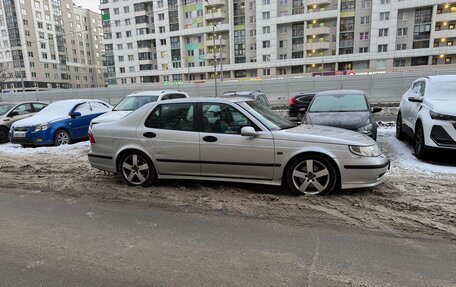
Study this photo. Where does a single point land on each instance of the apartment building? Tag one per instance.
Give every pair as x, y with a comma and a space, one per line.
178, 40
50, 44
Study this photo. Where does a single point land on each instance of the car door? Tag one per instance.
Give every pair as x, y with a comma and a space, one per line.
412, 107
225, 152
21, 112
170, 135
80, 125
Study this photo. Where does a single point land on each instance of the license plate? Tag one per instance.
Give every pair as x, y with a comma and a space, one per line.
19, 134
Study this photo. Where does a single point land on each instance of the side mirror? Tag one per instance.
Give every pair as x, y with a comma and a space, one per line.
75, 114
248, 132
13, 114
376, 109
302, 111
415, 99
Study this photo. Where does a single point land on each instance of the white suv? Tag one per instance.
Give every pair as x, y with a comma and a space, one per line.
427, 114
135, 101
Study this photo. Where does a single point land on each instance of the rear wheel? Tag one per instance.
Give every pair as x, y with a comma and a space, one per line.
137, 169
62, 137
399, 132
311, 174
420, 146
4, 137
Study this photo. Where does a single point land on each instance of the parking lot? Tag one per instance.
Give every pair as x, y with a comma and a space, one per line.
416, 199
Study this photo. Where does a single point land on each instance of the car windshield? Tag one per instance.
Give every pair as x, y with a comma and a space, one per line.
442, 90
134, 103
267, 117
338, 103
58, 108
4, 109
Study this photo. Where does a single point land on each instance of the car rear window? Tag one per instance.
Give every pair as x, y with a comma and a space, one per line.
338, 103
134, 103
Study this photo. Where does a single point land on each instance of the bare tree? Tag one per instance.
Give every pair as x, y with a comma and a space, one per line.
5, 73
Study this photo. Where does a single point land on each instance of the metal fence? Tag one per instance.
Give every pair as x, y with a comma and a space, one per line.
386, 88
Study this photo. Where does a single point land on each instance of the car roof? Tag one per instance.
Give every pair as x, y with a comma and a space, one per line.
206, 100
440, 78
241, 93
22, 102
155, 93
340, 92
76, 101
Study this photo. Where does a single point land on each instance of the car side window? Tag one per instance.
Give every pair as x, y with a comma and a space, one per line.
177, 96
223, 118
166, 97
23, 109
172, 117
84, 109
38, 107
416, 88
422, 89
263, 100
99, 107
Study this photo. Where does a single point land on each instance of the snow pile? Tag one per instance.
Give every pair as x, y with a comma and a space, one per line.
72, 149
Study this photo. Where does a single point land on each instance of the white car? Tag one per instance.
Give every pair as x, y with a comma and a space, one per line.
135, 101
427, 114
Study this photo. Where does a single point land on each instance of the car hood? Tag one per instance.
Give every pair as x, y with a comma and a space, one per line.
345, 120
443, 106
323, 134
110, 117
39, 119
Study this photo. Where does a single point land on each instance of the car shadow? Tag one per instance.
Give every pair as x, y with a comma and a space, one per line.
438, 157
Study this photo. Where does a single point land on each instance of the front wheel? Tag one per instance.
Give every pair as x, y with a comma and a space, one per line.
420, 146
399, 132
137, 169
62, 137
4, 137
311, 174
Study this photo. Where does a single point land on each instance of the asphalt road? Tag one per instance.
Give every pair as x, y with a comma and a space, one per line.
49, 240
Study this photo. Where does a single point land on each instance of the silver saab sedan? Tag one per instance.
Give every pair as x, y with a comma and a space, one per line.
233, 140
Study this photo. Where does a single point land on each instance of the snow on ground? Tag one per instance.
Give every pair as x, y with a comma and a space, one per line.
73, 149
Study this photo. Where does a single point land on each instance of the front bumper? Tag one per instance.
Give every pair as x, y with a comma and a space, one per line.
363, 171
32, 138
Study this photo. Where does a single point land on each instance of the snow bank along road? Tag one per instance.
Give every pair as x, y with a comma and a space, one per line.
416, 199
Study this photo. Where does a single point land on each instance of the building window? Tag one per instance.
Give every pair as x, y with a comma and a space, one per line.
448, 60
266, 44
365, 20
450, 43
402, 32
366, 4
266, 72
384, 16
383, 32
266, 30
399, 63
364, 36
385, 2
266, 58
266, 15
381, 64
282, 44
383, 48
363, 50
401, 47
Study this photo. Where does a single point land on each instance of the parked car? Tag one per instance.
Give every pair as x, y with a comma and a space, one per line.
254, 95
13, 112
427, 114
136, 100
60, 123
241, 141
347, 109
298, 104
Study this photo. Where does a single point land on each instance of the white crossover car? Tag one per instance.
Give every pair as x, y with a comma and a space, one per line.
427, 114
236, 140
135, 101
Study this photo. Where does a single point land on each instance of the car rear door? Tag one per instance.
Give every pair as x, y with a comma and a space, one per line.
225, 152
170, 135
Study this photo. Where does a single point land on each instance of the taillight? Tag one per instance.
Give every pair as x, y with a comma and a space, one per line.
91, 138
292, 101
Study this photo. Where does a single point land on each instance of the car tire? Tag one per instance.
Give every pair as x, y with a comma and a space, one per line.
399, 131
419, 146
4, 135
62, 137
320, 181
136, 169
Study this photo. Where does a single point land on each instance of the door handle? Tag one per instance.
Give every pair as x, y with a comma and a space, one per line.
210, 139
149, 135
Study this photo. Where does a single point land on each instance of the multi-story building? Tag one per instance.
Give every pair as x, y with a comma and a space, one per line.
50, 44
173, 40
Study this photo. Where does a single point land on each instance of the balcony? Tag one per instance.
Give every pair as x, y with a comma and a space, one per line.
318, 2
210, 56
214, 3
214, 16
318, 30
317, 46
445, 17
210, 43
449, 33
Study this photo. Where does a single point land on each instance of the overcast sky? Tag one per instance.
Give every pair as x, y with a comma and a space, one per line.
91, 4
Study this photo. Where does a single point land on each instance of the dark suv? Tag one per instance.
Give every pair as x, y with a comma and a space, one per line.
298, 102
255, 95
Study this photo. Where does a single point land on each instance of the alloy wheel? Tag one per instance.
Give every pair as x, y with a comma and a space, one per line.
311, 176
63, 138
135, 169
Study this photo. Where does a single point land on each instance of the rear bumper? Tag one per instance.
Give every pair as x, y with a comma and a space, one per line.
102, 162
363, 172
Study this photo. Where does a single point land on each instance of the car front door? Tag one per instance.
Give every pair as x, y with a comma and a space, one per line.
225, 152
80, 124
412, 107
170, 135
21, 112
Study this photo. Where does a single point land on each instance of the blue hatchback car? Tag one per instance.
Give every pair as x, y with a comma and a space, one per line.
60, 123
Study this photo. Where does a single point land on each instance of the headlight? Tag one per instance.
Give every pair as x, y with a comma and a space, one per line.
442, 117
367, 129
41, 127
369, 151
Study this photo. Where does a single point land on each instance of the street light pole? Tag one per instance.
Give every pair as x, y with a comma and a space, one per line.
213, 51
221, 59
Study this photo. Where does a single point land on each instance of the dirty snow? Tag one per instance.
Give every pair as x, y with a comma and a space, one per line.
417, 199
